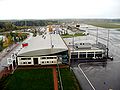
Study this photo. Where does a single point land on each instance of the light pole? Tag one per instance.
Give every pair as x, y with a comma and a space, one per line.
97, 36
51, 41
73, 42
108, 43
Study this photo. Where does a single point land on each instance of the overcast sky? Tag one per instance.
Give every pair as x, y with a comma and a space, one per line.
57, 9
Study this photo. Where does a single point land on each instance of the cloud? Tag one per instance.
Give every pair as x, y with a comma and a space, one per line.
45, 9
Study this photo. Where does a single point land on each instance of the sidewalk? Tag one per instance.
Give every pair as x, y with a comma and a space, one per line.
5, 72
5, 51
55, 78
3, 60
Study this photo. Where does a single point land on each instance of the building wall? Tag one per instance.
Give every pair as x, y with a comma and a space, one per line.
87, 54
43, 60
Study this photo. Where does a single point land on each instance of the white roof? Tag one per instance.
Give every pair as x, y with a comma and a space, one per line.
38, 46
90, 50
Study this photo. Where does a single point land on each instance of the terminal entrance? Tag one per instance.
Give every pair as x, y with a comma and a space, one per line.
35, 61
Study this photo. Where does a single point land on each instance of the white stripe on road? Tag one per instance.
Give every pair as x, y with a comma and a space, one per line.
86, 77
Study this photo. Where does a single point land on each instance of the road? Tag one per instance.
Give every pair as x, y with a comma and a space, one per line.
3, 60
102, 76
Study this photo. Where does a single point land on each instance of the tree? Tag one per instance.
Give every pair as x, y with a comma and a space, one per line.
1, 44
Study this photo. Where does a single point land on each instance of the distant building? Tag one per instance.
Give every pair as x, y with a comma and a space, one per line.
45, 49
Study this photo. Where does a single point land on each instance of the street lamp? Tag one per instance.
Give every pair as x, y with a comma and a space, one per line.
73, 41
97, 36
108, 43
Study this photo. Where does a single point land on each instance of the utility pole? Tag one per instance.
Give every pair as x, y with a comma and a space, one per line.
73, 42
108, 43
51, 41
97, 36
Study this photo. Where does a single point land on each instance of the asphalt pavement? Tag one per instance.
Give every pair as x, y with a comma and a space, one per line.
5, 55
102, 76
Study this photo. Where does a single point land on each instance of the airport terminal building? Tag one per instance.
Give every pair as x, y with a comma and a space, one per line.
45, 49
84, 50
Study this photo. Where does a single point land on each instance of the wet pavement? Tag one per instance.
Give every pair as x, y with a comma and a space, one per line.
102, 76
3, 58
14, 48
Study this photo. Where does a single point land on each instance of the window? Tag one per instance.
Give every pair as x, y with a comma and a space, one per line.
25, 58
98, 54
47, 61
90, 54
29, 58
82, 54
54, 57
80, 43
24, 62
52, 61
42, 61
49, 57
29, 62
43, 57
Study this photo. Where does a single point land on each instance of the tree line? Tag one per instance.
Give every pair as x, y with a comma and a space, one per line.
11, 38
22, 24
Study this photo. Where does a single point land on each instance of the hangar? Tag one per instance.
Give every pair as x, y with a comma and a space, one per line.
45, 49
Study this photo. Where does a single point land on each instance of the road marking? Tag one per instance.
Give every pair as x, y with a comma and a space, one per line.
86, 77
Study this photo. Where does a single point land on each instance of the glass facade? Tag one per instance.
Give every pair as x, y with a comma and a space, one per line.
82, 55
90, 54
98, 54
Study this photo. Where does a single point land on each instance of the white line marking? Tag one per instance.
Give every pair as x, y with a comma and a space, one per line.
86, 77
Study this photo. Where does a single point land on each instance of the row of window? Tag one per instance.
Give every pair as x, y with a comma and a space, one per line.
83, 44
84, 55
75, 53
42, 62
49, 62
25, 62
41, 58
25, 58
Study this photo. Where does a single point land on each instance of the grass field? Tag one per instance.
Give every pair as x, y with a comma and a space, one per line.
30, 79
68, 80
105, 24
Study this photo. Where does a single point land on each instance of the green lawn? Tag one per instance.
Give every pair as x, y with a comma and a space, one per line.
68, 80
30, 79
105, 24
